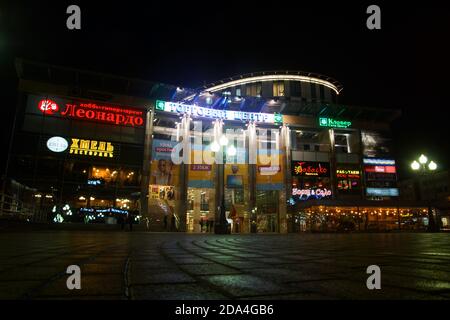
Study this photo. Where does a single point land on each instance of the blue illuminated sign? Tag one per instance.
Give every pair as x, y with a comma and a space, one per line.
382, 192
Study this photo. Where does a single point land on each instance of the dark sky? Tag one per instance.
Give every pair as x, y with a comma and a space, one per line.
404, 65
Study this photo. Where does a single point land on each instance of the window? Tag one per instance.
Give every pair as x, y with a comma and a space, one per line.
313, 91
278, 88
253, 89
318, 141
238, 92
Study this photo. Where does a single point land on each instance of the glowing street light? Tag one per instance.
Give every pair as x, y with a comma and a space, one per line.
215, 147
223, 140
423, 164
423, 159
231, 151
432, 166
424, 167
415, 165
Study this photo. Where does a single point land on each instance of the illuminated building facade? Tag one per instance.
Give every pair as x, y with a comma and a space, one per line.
274, 151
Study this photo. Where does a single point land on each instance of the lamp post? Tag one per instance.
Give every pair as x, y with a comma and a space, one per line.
424, 167
221, 227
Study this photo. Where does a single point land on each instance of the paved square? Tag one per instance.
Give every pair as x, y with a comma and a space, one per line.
142, 265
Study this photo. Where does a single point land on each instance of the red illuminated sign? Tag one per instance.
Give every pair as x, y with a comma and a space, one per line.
381, 169
94, 112
48, 106
307, 168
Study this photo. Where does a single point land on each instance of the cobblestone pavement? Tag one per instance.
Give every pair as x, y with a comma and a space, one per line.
139, 265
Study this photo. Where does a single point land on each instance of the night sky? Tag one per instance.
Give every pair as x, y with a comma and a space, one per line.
404, 65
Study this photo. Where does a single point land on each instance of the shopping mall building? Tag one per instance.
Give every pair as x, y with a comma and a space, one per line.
267, 151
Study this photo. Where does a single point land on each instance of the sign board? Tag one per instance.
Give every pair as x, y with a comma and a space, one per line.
196, 111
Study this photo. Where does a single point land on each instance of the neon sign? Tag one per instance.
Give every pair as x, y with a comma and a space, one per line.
94, 112
333, 123
94, 182
382, 192
57, 144
92, 148
347, 174
305, 194
380, 169
179, 108
48, 106
379, 162
307, 168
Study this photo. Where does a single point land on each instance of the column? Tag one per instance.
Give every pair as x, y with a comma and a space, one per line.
145, 181
284, 143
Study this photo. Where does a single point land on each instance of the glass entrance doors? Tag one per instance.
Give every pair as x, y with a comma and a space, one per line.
200, 212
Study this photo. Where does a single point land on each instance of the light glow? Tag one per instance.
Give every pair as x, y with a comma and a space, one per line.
432, 165
223, 140
215, 147
231, 151
423, 159
415, 165
274, 77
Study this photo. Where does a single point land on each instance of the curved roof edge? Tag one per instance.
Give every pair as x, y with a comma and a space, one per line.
310, 77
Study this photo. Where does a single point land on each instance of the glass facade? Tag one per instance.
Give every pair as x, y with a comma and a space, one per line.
97, 175
264, 171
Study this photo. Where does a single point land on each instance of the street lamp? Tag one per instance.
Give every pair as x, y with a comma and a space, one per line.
222, 226
425, 167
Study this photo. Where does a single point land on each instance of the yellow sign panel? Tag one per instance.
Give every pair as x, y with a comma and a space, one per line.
92, 148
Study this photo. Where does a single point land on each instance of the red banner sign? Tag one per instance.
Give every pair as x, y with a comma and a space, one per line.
381, 169
95, 112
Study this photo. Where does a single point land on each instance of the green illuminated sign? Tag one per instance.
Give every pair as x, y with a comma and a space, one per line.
333, 123
278, 118
160, 105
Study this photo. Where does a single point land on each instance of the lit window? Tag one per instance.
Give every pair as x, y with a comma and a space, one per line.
253, 89
278, 88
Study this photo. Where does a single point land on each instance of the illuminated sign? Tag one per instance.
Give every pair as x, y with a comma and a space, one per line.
380, 169
307, 168
382, 192
333, 123
107, 210
347, 174
95, 112
48, 106
94, 182
379, 162
196, 111
305, 194
57, 144
92, 148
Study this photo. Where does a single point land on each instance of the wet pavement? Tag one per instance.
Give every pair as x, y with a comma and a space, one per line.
142, 265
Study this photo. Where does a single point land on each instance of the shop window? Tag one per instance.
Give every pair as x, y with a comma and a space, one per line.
310, 188
204, 201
